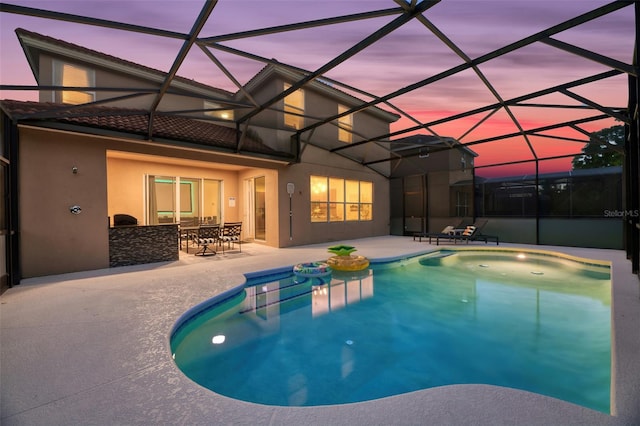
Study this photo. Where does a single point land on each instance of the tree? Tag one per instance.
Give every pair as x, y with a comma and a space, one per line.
605, 148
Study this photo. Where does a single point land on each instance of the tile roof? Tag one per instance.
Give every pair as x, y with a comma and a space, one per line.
135, 122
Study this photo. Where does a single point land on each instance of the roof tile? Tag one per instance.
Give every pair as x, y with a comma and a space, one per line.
132, 121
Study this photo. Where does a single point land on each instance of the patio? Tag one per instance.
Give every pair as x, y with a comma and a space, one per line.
92, 348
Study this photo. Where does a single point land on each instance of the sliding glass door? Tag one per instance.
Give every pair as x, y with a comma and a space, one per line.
199, 200
211, 196
254, 214
260, 208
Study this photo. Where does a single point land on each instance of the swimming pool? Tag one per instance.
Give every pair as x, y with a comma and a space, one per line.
525, 320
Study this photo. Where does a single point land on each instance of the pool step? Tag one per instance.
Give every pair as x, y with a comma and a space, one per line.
435, 257
286, 290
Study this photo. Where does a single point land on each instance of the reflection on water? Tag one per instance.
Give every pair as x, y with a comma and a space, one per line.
536, 323
341, 292
327, 294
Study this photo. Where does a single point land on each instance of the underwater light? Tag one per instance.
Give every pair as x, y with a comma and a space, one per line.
521, 256
219, 339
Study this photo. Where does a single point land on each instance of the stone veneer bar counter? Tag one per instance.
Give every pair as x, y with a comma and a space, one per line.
135, 245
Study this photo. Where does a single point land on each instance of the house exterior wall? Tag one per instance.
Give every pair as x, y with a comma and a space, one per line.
455, 163
444, 173
53, 240
272, 213
438, 194
439, 161
321, 163
270, 124
110, 78
126, 183
126, 189
116, 182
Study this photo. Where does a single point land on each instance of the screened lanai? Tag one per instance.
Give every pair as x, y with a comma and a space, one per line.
528, 86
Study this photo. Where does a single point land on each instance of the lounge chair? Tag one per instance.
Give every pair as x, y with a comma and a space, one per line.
474, 233
448, 232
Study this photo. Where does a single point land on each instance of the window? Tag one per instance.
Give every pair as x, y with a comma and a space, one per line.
199, 199
345, 125
366, 200
319, 196
336, 200
215, 110
462, 204
70, 75
294, 108
339, 200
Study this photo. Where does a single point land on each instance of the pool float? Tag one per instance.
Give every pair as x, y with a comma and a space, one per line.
348, 263
351, 275
312, 269
345, 261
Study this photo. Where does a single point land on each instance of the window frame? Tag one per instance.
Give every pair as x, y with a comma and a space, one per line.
335, 199
58, 77
293, 112
187, 197
345, 125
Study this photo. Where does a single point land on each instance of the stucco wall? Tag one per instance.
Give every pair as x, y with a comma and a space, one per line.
321, 163
126, 184
272, 215
438, 195
126, 188
53, 240
319, 104
110, 78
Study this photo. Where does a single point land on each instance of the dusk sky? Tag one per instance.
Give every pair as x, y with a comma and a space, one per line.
407, 55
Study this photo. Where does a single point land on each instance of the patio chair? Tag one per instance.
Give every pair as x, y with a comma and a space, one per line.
208, 236
188, 231
231, 234
124, 220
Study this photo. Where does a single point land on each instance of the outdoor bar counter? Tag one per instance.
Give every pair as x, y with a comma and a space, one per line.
138, 244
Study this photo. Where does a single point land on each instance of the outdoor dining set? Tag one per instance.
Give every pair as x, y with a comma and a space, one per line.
207, 239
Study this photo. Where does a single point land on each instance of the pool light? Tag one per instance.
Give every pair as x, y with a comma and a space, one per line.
218, 340
521, 256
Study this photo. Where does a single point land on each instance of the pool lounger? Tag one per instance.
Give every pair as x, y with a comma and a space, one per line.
455, 238
430, 235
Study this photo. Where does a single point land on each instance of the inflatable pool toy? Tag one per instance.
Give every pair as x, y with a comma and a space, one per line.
345, 261
312, 269
350, 275
348, 263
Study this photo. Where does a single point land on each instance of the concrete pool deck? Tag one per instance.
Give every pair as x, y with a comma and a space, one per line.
92, 348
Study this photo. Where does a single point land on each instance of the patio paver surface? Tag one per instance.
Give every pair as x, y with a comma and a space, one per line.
93, 348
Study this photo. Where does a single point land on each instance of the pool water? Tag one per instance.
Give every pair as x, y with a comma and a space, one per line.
539, 323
